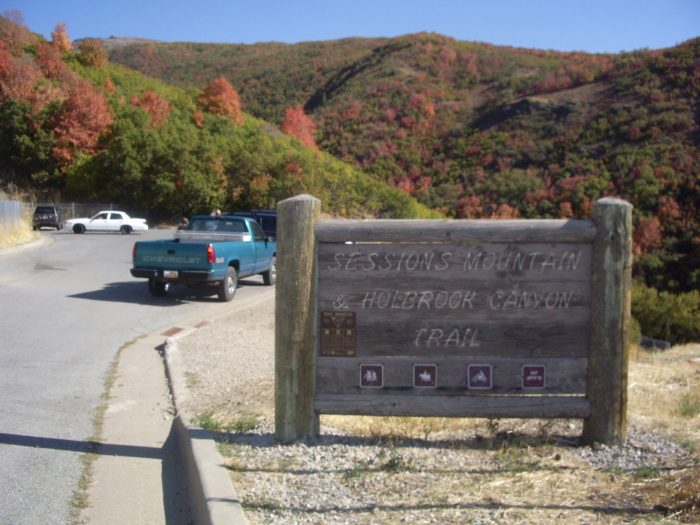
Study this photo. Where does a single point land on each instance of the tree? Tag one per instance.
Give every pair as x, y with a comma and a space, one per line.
52, 65
25, 147
14, 33
17, 80
297, 124
83, 117
5, 57
59, 38
220, 98
647, 236
158, 109
92, 53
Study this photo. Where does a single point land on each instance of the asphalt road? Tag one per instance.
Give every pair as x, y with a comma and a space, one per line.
65, 310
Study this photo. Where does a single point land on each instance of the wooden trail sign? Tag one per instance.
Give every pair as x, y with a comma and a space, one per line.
460, 318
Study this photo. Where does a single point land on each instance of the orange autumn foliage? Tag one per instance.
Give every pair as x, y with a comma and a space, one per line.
59, 38
297, 124
84, 116
220, 98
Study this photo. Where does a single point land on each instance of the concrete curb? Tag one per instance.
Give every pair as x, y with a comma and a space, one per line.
214, 500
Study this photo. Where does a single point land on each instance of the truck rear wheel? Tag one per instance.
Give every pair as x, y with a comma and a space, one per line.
270, 276
158, 288
227, 287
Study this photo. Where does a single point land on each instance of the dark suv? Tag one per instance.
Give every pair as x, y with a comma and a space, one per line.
267, 219
46, 216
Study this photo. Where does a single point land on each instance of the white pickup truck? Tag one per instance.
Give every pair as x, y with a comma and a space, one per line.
108, 221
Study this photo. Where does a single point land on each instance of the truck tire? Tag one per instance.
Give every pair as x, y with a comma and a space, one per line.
158, 288
227, 287
270, 276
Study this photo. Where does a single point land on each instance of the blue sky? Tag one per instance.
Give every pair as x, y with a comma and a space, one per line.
567, 25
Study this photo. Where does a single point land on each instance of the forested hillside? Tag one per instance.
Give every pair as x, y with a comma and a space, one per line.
475, 130
75, 126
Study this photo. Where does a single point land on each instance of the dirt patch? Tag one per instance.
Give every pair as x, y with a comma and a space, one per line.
439, 470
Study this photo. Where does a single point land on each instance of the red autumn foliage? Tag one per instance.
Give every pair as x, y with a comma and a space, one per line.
20, 80
49, 59
297, 124
647, 236
198, 118
84, 116
447, 56
294, 168
5, 57
504, 211
669, 210
17, 80
390, 115
405, 184
59, 38
14, 33
158, 109
469, 208
353, 112
45, 93
220, 98
109, 85
565, 210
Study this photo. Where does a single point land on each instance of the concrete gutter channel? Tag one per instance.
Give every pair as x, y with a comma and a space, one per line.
212, 497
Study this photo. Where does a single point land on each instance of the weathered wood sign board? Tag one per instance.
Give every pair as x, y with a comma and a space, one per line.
452, 322
453, 318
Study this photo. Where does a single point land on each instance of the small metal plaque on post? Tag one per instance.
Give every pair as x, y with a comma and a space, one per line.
338, 334
479, 377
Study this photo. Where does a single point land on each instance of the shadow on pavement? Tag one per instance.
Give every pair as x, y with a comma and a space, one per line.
176, 500
136, 292
72, 445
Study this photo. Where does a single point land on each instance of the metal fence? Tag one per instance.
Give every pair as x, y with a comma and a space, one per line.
71, 210
654, 344
10, 214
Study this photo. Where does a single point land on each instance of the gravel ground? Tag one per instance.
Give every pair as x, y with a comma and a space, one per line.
482, 471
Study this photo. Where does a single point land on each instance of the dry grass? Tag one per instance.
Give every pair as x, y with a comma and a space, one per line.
430, 470
664, 397
19, 235
664, 393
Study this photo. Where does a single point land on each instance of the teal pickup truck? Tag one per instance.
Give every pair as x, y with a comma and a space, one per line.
213, 251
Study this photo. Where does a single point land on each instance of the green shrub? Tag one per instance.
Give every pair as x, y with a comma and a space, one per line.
635, 335
667, 316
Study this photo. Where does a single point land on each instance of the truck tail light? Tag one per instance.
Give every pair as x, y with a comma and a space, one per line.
211, 254
133, 254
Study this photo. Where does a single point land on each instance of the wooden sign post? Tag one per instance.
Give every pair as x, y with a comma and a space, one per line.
455, 318
295, 318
